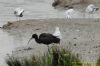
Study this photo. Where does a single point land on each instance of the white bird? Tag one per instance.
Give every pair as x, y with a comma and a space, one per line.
69, 13
57, 33
18, 12
91, 9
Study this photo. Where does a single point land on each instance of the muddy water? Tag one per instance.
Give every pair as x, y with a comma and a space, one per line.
6, 46
36, 9
33, 9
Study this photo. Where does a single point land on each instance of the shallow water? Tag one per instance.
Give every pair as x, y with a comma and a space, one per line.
6, 46
33, 9
36, 9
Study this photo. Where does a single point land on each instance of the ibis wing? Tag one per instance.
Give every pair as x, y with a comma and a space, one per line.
46, 38
45, 35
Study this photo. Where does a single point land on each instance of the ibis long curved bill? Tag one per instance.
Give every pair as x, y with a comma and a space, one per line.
29, 40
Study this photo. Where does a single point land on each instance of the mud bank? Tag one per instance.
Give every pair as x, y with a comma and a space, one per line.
74, 2
79, 36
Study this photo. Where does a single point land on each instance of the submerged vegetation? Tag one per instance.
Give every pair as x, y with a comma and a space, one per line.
53, 58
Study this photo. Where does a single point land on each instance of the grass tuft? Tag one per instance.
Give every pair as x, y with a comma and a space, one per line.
54, 57
98, 62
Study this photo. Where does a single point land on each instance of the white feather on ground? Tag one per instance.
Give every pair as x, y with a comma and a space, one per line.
57, 33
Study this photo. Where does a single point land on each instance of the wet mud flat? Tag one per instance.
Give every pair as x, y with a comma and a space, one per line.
79, 35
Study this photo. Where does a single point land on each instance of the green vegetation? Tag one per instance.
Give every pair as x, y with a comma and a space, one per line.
98, 62
53, 58
68, 59
12, 61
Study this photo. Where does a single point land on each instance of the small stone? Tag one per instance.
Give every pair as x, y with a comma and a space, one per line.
37, 29
74, 38
74, 44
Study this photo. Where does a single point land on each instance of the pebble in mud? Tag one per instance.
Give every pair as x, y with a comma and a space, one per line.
37, 29
74, 38
75, 44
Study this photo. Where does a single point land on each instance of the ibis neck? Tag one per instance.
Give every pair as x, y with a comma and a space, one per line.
37, 39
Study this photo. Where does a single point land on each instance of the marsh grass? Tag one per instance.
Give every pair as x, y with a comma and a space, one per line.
12, 61
46, 60
53, 58
98, 62
66, 58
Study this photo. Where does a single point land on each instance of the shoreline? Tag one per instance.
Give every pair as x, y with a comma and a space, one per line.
86, 33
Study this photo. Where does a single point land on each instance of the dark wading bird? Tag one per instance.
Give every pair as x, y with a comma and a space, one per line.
47, 38
18, 12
